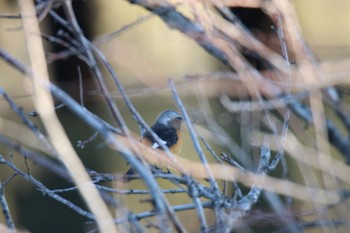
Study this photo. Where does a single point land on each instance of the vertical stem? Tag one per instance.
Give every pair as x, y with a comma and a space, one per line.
44, 104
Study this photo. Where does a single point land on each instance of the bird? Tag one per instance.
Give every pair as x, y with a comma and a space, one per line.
168, 128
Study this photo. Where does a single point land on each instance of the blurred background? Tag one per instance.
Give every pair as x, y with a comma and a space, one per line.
144, 56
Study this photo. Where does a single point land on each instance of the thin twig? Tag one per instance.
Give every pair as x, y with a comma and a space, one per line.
193, 136
5, 208
46, 191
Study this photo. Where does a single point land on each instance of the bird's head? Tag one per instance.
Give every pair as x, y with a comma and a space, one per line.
170, 118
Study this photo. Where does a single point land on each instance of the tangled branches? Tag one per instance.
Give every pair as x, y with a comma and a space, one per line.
277, 89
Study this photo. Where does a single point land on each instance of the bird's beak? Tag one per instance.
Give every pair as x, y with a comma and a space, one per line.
176, 123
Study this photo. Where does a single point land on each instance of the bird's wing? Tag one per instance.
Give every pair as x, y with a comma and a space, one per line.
156, 144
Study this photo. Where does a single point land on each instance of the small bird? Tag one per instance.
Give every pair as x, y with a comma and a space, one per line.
168, 128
